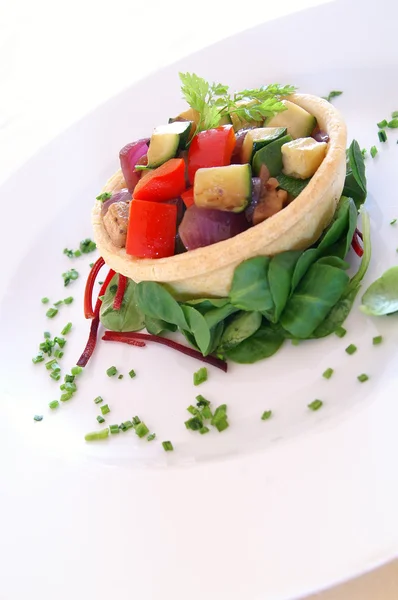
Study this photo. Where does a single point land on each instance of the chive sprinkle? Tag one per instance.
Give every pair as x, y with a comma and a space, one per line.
76, 370
219, 419
328, 373
111, 372
120, 376
167, 446
58, 303
37, 359
151, 437
194, 424
55, 375
100, 419
68, 300
382, 135
363, 377
132, 373
394, 114
104, 196
373, 151
266, 415
66, 396
60, 341
98, 400
126, 425
200, 376
105, 409
340, 332
77, 253
393, 124
69, 276
51, 313
38, 418
114, 429
45, 300
393, 222
87, 246
69, 378
50, 363
66, 329
53, 404
58, 353
377, 340
141, 430
136, 421
47, 334
68, 252
91, 265
204, 430
351, 349
97, 435
315, 404
382, 124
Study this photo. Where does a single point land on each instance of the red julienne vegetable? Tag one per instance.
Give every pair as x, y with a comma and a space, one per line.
151, 229
356, 246
121, 288
164, 183
187, 197
211, 148
88, 292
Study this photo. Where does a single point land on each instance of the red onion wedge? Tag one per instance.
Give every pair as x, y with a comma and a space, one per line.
204, 226
120, 196
129, 156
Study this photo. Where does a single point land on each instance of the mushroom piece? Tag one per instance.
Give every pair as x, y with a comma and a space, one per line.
116, 221
271, 202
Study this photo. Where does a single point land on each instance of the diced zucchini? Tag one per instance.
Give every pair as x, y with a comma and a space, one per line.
291, 185
258, 138
166, 140
224, 188
298, 122
187, 115
239, 123
302, 157
270, 156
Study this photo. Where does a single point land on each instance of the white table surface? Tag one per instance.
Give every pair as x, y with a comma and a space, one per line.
58, 61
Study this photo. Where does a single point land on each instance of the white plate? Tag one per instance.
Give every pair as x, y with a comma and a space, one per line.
270, 509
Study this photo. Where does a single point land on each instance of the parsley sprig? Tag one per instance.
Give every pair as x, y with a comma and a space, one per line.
214, 101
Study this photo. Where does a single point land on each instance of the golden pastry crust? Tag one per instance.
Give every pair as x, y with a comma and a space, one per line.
208, 271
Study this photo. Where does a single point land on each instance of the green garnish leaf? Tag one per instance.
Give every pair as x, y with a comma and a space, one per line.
167, 446
114, 429
315, 404
132, 373
105, 409
377, 340
37, 359
104, 196
51, 313
382, 135
328, 373
151, 437
68, 253
363, 377
66, 329
76, 370
266, 415
393, 222
373, 151
200, 376
111, 372
69, 276
53, 404
382, 124
136, 421
45, 300
195, 423
393, 124
68, 300
100, 419
97, 435
351, 349
394, 114
87, 246
332, 94
381, 297
141, 429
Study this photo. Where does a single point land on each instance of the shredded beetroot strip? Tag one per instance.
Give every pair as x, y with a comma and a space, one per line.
92, 338
121, 288
359, 233
88, 292
130, 337
356, 246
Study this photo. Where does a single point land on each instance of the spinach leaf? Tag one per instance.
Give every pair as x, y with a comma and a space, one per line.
381, 297
319, 290
262, 344
129, 317
156, 302
334, 261
250, 290
205, 304
241, 327
216, 335
158, 326
216, 315
198, 328
292, 185
355, 181
337, 227
280, 274
303, 264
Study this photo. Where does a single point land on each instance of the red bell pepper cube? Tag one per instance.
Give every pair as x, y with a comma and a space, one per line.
187, 197
211, 148
164, 183
151, 229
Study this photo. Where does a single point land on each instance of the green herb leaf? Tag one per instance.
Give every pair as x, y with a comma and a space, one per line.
167, 446
355, 182
266, 415
156, 302
363, 377
373, 151
262, 344
129, 317
315, 405
292, 185
200, 376
104, 196
242, 326
381, 297
250, 288
331, 95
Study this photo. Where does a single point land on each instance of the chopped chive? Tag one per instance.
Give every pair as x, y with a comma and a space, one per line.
37, 359
221, 425
315, 405
100, 419
167, 446
62, 386
105, 409
363, 152
60, 341
351, 349
98, 400
127, 425
123, 427
58, 303
91, 265
382, 124
100, 283
69, 253
66, 396
76, 370
38, 418
69, 378
393, 222
66, 329
141, 430
332, 94
266, 415
362, 378
120, 376
53, 404
206, 412
373, 151
394, 114
132, 373
219, 419
55, 375
201, 401
377, 340
77, 253
68, 300
382, 135
194, 411
195, 423
151, 437
111, 371
50, 363
340, 332
70, 387
114, 429
204, 430
87, 246
104, 196
45, 300
136, 421
393, 124
97, 435
51, 313
200, 376
69, 276
328, 373
58, 353
47, 334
